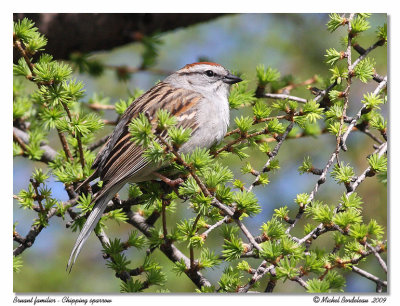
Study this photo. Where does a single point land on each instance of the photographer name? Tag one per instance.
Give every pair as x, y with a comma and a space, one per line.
343, 299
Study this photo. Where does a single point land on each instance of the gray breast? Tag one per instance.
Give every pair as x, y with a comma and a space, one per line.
213, 119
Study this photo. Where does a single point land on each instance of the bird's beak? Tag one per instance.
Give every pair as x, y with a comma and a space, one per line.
231, 79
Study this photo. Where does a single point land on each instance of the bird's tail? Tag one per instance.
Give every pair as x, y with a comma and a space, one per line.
91, 222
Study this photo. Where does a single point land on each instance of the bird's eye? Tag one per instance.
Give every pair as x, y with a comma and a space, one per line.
209, 73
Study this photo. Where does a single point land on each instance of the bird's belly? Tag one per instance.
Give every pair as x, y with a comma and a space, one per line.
205, 136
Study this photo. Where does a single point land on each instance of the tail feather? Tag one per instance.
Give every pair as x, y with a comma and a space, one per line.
90, 224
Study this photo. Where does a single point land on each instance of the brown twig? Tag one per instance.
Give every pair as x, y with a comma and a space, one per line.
97, 106
65, 146
77, 136
21, 50
110, 122
193, 265
81, 154
24, 54
98, 143
164, 219
290, 87
20, 143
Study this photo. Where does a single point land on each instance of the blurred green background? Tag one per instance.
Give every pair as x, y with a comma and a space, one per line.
294, 44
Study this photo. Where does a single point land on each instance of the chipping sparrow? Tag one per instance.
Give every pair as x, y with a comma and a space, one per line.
197, 95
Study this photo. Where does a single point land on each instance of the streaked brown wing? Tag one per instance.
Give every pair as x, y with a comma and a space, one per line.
120, 158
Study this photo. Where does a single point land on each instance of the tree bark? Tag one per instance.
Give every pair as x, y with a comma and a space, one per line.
74, 32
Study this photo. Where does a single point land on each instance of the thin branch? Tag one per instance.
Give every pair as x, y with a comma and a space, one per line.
192, 265
256, 121
247, 233
368, 275
21, 50
18, 238
214, 226
164, 219
20, 142
64, 144
81, 154
347, 90
105, 241
173, 253
24, 54
77, 136
192, 172
260, 272
110, 122
377, 90
352, 187
97, 106
98, 143
282, 97
243, 137
372, 136
272, 155
290, 87
380, 151
363, 52
322, 177
204, 189
30, 238
35, 230
323, 93
271, 285
48, 152
103, 238
300, 281
378, 257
